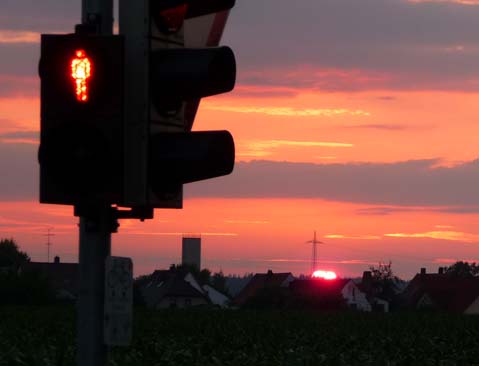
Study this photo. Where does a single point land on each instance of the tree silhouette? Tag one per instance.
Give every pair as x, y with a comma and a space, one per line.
10, 254
463, 269
384, 282
218, 281
21, 287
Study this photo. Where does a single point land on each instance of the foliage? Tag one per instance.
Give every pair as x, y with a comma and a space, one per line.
42, 336
46, 337
384, 282
25, 289
19, 287
383, 272
204, 276
463, 269
138, 283
218, 281
269, 298
282, 298
331, 302
10, 254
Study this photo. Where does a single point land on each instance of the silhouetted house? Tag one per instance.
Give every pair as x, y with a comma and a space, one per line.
216, 297
7, 269
330, 294
235, 284
173, 289
261, 282
442, 292
367, 287
62, 277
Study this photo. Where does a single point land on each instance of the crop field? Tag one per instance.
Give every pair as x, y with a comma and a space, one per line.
46, 336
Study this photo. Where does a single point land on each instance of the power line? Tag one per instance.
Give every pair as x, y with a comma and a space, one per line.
314, 254
48, 244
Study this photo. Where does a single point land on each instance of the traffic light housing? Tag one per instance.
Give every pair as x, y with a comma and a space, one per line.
162, 78
81, 138
117, 111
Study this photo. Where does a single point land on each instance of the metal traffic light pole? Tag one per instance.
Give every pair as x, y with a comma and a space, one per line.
99, 13
154, 54
95, 236
95, 246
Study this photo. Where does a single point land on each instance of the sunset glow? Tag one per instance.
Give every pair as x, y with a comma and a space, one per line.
326, 275
368, 138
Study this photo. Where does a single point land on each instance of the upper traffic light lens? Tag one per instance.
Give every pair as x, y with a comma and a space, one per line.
81, 71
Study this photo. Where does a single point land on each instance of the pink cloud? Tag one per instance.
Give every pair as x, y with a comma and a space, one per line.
439, 235
10, 36
454, 260
15, 86
316, 78
462, 2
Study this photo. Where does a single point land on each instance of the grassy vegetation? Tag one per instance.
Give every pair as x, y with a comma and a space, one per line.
45, 336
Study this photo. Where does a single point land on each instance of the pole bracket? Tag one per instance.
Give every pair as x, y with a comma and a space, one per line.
96, 213
142, 213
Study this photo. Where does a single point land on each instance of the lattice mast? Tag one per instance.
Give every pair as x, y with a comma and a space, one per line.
49, 243
314, 254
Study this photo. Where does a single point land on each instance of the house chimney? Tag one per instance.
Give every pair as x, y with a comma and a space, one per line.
441, 270
367, 278
56, 260
270, 272
423, 271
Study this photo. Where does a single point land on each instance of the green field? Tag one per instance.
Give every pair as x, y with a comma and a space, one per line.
46, 336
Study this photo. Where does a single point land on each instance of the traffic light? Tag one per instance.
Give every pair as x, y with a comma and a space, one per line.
81, 139
116, 111
162, 78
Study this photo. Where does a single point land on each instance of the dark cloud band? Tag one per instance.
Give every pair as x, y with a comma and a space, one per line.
410, 183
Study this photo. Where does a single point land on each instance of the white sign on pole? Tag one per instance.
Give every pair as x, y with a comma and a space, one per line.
118, 317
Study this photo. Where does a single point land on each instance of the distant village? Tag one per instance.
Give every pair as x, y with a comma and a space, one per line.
186, 285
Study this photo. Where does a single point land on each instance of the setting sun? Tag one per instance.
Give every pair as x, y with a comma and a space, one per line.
327, 275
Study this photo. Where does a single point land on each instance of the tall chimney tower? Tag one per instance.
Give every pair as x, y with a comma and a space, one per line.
191, 250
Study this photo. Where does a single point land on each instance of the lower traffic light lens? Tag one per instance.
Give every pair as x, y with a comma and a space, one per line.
179, 158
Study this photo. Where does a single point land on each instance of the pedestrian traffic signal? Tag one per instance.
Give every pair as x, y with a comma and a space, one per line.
81, 68
116, 110
161, 77
81, 138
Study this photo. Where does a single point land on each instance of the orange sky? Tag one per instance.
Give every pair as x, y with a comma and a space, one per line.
243, 235
248, 235
297, 110
379, 126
